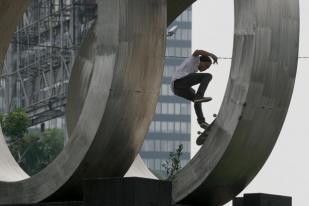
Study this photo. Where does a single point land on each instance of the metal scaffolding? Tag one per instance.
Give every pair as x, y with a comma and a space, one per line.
39, 60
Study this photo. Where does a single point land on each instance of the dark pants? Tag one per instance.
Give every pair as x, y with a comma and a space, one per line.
183, 88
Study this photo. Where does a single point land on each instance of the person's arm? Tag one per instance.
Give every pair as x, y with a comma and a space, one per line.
205, 53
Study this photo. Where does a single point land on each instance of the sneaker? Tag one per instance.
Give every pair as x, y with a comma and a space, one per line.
204, 125
202, 99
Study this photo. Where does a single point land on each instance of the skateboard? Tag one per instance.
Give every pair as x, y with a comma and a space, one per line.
203, 135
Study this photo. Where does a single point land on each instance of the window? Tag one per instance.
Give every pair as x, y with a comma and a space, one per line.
184, 109
158, 108
178, 51
157, 164
184, 34
164, 126
157, 146
177, 127
164, 90
151, 128
170, 108
164, 108
177, 108
151, 163
178, 34
164, 146
185, 16
170, 127
183, 127
170, 146
157, 126
150, 145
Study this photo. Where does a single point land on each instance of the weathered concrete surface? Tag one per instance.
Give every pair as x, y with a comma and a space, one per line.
125, 54
10, 13
115, 84
256, 101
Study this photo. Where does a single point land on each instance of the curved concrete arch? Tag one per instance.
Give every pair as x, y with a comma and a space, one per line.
256, 101
258, 94
120, 63
257, 98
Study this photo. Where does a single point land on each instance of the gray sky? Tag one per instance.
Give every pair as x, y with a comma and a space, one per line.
287, 170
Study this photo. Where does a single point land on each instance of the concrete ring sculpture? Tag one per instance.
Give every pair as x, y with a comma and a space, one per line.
115, 84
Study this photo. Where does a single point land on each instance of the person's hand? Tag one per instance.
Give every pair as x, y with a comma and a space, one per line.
215, 58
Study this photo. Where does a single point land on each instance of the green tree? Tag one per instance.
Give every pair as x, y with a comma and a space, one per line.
32, 150
173, 165
40, 149
15, 124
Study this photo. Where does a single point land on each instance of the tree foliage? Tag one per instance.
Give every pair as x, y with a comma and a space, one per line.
39, 149
15, 124
32, 150
173, 164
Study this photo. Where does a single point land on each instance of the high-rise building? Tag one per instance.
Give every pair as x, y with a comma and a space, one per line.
171, 125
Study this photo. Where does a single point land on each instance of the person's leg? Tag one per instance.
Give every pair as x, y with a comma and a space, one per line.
182, 88
204, 79
193, 79
184, 92
199, 112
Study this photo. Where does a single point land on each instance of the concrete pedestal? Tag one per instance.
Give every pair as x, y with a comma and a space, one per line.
260, 199
127, 192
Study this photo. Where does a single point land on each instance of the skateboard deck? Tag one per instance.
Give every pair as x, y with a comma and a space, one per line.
203, 135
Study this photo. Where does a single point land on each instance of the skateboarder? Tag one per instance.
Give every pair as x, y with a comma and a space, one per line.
186, 76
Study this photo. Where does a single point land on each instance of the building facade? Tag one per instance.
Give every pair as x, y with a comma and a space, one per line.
171, 125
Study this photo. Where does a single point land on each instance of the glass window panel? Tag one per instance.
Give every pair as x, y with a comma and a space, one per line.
170, 146
184, 109
151, 145
158, 108
183, 127
184, 34
170, 108
163, 146
177, 127
164, 126
185, 146
170, 127
178, 51
151, 128
164, 108
170, 71
178, 34
157, 164
145, 145
163, 89
185, 16
170, 92
177, 108
157, 126
157, 146
151, 163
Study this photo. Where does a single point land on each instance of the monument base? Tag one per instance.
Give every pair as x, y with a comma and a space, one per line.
261, 199
131, 191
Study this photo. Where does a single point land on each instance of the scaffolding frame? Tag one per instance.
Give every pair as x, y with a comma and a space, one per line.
40, 57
